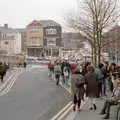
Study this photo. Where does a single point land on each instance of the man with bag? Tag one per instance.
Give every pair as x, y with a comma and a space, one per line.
57, 71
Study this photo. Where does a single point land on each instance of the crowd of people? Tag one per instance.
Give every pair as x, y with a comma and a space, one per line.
60, 69
94, 82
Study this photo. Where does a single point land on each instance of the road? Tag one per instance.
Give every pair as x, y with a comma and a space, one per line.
33, 97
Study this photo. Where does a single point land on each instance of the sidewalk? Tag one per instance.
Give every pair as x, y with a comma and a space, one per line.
86, 114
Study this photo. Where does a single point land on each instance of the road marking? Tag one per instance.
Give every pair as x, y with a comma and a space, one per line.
12, 82
61, 111
65, 111
10, 85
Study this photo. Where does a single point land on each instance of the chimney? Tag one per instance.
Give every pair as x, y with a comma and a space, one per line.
6, 26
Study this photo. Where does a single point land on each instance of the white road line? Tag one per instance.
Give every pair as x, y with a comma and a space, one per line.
12, 82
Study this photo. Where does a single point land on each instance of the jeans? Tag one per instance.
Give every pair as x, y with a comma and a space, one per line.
107, 106
77, 100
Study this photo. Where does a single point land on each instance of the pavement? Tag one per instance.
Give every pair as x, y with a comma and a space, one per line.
86, 114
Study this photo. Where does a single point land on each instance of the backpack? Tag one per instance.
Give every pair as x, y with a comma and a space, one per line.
99, 73
57, 69
79, 81
1, 68
66, 73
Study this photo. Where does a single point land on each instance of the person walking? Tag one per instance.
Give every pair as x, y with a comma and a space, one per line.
91, 86
84, 70
100, 75
24, 64
2, 71
57, 71
77, 88
112, 75
62, 74
66, 75
51, 69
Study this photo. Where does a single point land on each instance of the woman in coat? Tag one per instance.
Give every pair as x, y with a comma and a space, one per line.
77, 88
91, 86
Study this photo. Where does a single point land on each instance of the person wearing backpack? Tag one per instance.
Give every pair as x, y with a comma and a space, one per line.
66, 75
100, 78
57, 70
77, 88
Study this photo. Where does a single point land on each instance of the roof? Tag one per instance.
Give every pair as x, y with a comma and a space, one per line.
43, 23
9, 30
46, 23
34, 23
20, 30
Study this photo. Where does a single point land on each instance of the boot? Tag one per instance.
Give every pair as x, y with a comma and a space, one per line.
78, 106
106, 117
102, 112
95, 107
74, 107
90, 108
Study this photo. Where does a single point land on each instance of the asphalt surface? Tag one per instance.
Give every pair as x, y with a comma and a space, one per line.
33, 97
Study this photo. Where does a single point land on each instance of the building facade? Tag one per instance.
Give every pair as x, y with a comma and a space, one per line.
111, 43
23, 39
10, 40
34, 39
43, 38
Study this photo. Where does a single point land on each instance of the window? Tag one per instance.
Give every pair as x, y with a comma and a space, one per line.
35, 30
51, 41
51, 31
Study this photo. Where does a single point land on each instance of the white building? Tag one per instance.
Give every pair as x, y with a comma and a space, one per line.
10, 40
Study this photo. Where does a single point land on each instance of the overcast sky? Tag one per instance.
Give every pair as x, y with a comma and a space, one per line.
18, 13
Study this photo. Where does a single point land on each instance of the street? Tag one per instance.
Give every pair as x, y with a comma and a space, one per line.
33, 97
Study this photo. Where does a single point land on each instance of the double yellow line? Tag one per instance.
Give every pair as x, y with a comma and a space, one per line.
63, 112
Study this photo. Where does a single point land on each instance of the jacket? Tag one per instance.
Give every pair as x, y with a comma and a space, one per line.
77, 91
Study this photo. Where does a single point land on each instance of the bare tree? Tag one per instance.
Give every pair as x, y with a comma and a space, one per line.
93, 18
